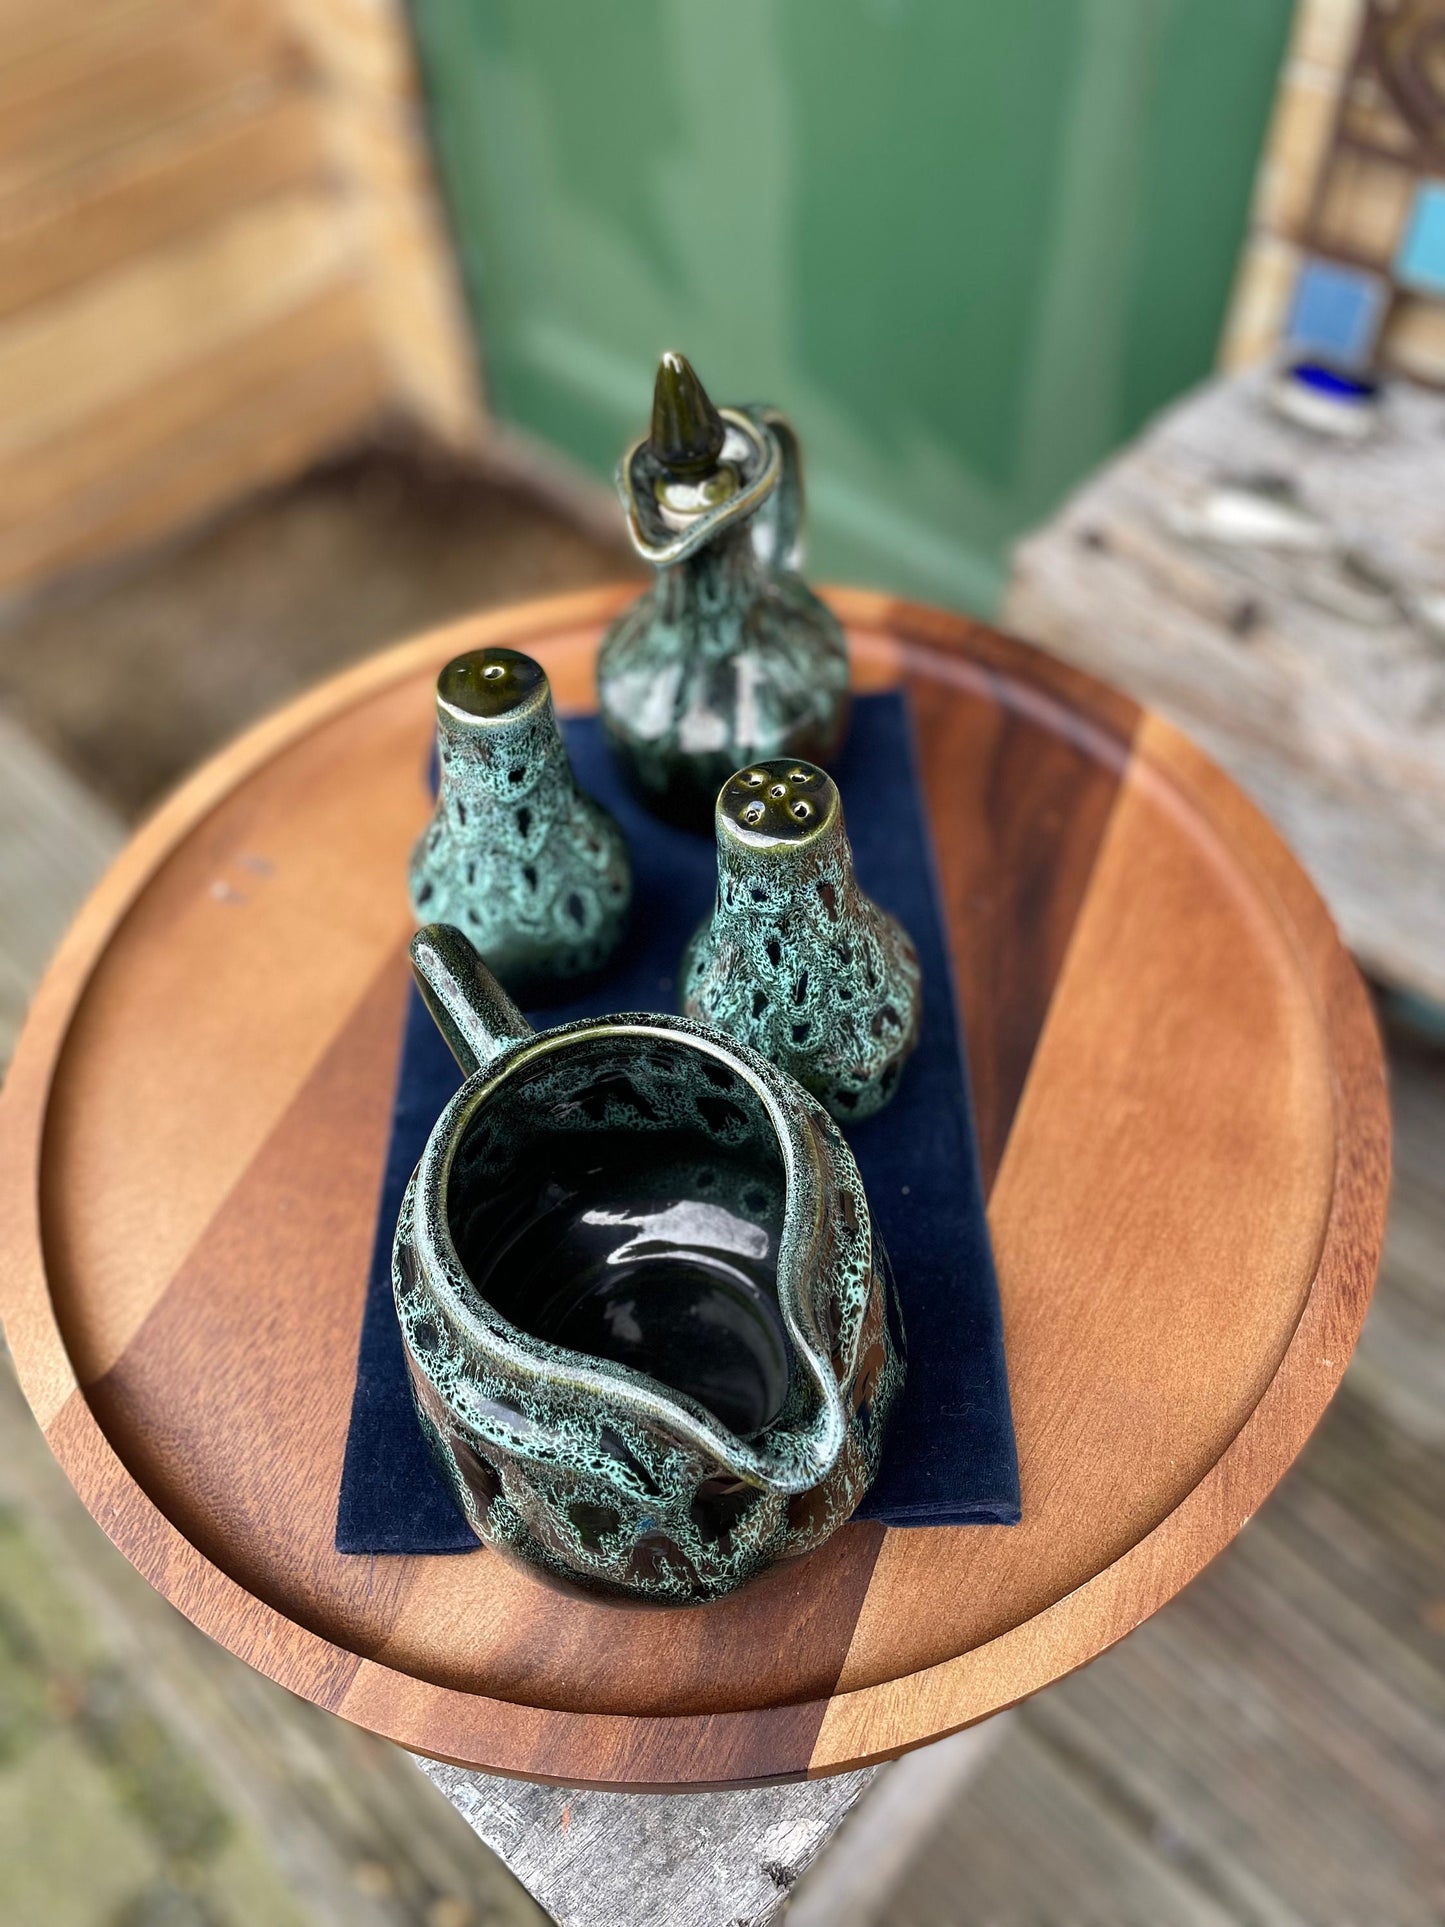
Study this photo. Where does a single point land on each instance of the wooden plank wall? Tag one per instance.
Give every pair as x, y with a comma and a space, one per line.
220, 257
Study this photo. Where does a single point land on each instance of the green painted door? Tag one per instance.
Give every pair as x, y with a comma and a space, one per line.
969, 245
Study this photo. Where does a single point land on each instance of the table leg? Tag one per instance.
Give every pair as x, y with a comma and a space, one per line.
653, 1859
716, 1859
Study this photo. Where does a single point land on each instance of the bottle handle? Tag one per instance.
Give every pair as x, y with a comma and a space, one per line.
777, 528
469, 1007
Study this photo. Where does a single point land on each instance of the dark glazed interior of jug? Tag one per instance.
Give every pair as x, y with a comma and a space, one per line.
624, 1199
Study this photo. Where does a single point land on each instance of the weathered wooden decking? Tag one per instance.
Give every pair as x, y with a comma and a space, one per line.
1268, 1750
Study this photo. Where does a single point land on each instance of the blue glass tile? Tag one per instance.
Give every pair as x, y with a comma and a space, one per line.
1336, 312
1420, 263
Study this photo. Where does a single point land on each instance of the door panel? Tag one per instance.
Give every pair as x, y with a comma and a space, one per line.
969, 247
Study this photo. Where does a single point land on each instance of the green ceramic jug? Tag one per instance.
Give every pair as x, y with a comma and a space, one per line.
729, 657
645, 1311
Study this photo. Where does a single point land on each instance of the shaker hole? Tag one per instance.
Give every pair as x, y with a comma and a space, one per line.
593, 1523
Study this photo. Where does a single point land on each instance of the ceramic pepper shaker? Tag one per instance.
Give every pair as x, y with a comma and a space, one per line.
535, 872
729, 656
795, 959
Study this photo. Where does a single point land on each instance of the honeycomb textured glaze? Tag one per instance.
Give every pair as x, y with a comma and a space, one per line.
729, 656
594, 1472
533, 870
796, 960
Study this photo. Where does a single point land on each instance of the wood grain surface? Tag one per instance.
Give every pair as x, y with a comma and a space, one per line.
1324, 701
1181, 1106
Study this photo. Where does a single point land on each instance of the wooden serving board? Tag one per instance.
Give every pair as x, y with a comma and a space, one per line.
1182, 1115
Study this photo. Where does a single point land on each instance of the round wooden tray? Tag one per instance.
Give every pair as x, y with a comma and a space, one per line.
1182, 1116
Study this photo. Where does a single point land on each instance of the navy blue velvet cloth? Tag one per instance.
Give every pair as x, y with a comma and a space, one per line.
949, 1457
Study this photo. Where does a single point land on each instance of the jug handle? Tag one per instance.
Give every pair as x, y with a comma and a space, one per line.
777, 528
469, 1007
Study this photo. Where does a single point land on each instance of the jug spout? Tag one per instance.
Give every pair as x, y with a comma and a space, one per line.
471, 1010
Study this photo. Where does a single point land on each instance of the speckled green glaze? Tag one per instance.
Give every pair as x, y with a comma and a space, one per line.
535, 872
729, 656
595, 1471
795, 960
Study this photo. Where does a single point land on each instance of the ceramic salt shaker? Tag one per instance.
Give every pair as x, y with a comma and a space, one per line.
729, 656
516, 854
796, 960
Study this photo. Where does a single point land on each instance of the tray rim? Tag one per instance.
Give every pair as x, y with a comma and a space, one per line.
859, 1726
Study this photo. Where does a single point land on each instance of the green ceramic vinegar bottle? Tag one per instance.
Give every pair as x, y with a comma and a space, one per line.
516, 855
795, 959
729, 656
